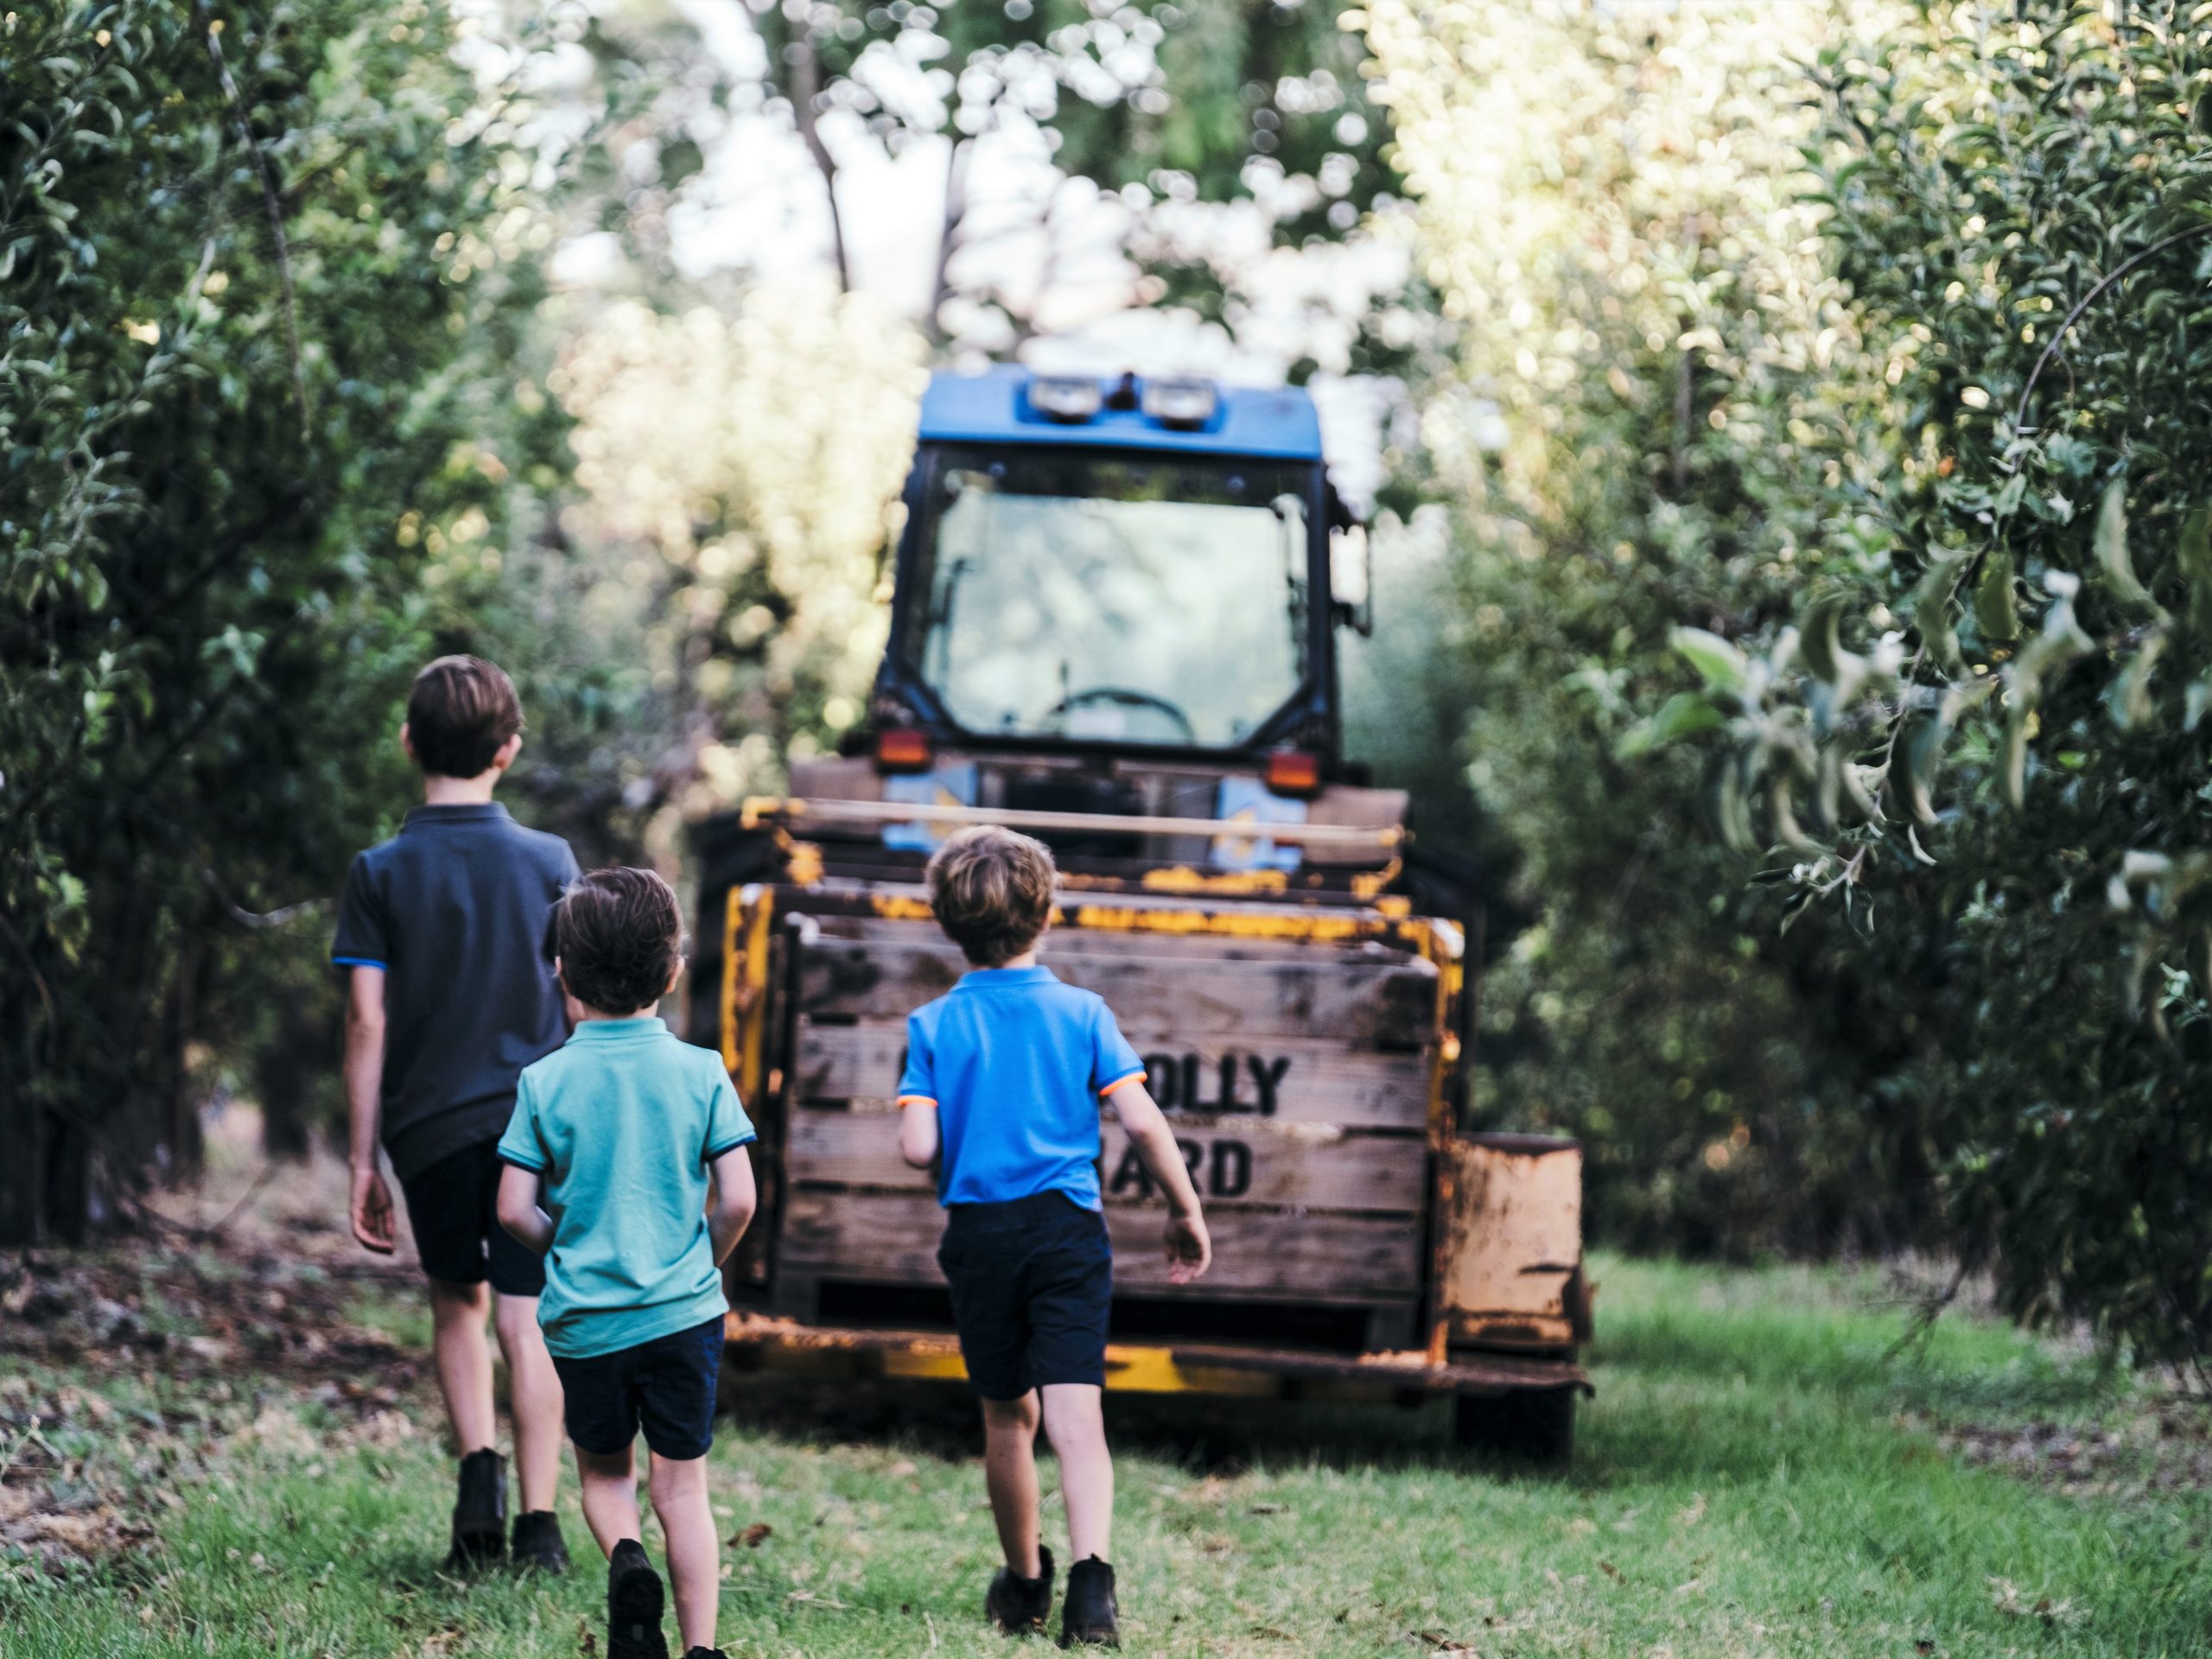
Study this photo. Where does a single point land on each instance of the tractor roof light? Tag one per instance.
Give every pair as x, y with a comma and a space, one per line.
1180, 403
1069, 400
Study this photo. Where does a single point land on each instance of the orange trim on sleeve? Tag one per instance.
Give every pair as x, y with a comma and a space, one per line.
915, 1100
1137, 1076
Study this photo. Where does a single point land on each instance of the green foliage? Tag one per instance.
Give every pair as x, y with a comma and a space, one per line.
1166, 105
2020, 216
1606, 202
1857, 500
257, 412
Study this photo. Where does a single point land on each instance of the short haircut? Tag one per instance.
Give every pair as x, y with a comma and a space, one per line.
618, 934
461, 711
992, 892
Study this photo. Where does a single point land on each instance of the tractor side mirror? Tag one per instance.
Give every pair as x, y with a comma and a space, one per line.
1351, 569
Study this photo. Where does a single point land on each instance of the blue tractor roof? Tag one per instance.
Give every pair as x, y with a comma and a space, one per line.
994, 408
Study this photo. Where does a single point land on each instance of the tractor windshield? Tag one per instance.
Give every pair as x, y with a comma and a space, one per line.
1113, 597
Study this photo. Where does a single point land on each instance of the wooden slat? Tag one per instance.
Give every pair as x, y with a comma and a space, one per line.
1302, 1081
1237, 1162
1361, 1004
1333, 938
891, 1238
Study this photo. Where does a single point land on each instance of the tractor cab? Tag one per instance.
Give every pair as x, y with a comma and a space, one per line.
1118, 598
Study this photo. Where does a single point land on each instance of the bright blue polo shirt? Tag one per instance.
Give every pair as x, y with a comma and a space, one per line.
619, 1124
1016, 1063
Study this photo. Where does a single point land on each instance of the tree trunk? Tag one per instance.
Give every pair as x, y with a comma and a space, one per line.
807, 86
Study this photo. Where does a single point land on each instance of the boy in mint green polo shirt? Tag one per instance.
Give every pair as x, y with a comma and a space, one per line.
615, 1138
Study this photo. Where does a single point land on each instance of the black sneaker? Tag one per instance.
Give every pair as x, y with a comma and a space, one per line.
1019, 1606
633, 1605
1088, 1616
706, 1653
479, 1512
537, 1542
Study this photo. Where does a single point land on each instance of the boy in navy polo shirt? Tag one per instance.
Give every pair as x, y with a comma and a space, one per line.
1003, 1081
618, 1135
443, 933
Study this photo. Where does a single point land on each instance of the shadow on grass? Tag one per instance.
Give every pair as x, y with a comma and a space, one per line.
1197, 1435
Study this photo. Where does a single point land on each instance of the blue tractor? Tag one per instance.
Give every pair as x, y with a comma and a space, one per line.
1113, 626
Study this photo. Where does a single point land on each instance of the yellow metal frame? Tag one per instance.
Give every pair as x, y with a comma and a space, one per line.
1131, 1368
748, 923
1134, 1368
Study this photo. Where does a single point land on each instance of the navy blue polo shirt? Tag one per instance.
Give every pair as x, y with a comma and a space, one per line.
456, 909
1016, 1063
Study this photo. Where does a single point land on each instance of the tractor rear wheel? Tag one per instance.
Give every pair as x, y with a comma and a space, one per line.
1536, 1424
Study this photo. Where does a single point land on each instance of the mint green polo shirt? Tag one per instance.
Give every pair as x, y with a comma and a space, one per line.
619, 1124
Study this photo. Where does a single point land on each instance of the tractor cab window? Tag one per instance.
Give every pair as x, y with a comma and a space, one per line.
1112, 598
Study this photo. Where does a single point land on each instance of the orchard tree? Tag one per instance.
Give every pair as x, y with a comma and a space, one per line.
265, 280
1984, 726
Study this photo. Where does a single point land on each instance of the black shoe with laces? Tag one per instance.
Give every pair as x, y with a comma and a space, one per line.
537, 1542
706, 1653
480, 1510
634, 1600
1088, 1616
1019, 1606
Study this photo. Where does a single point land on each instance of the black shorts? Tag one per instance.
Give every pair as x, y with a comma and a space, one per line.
1033, 1282
454, 1208
667, 1385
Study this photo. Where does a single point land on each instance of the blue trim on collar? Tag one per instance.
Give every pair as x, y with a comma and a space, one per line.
615, 1031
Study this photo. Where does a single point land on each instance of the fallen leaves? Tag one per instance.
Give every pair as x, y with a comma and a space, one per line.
751, 1536
2008, 1599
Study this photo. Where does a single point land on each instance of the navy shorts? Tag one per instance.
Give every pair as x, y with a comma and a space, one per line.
666, 1385
1033, 1283
454, 1208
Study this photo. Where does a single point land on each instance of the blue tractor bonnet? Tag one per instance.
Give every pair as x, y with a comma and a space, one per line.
997, 407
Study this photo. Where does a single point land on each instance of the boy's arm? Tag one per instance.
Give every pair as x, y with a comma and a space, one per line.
519, 1211
1190, 1249
370, 1206
918, 1132
735, 1196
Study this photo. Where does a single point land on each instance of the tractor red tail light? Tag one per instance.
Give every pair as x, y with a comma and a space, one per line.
903, 749
1293, 771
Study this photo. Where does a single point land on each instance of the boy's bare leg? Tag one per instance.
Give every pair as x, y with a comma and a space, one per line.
1075, 1422
464, 1360
609, 1481
534, 1392
686, 1526
1010, 1478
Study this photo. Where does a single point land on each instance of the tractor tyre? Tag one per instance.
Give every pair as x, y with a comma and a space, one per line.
1536, 1425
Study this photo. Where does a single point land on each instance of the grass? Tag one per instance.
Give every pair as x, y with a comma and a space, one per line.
1754, 1478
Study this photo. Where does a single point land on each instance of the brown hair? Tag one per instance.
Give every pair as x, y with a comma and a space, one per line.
618, 934
460, 712
992, 892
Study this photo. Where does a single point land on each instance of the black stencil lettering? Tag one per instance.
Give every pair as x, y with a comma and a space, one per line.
1131, 1173
1232, 1170
1266, 1077
1228, 1102
1164, 1077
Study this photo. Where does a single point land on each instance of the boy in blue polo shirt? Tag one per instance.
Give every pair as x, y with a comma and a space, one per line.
1004, 1077
617, 1135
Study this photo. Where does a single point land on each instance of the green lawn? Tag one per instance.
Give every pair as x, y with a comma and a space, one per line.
1753, 1477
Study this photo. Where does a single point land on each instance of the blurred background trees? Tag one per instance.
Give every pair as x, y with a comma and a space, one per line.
1793, 580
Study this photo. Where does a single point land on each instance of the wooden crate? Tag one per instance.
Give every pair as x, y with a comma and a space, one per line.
1298, 1075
